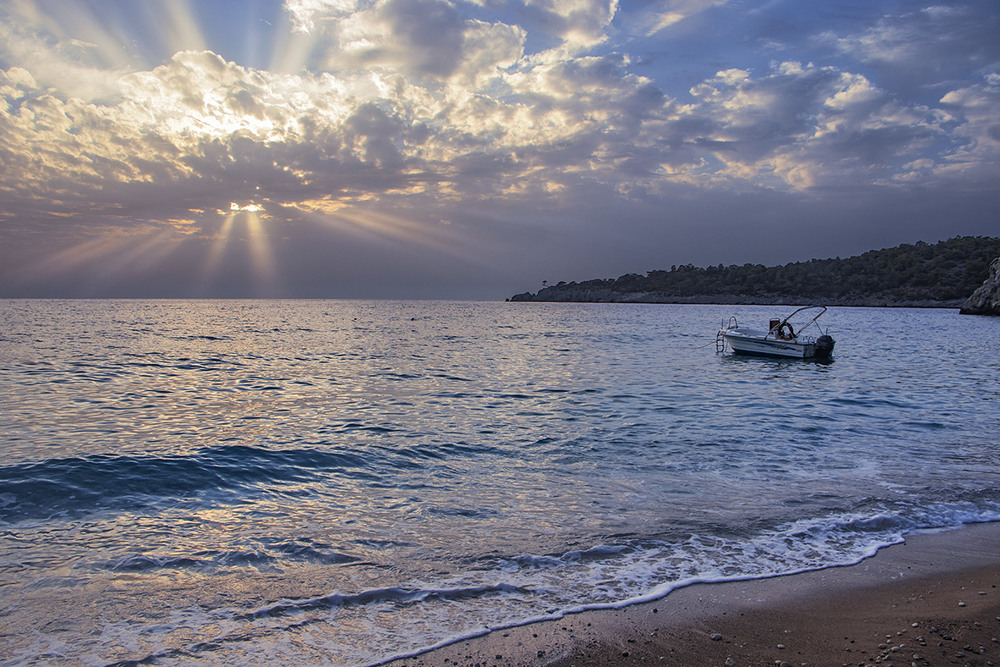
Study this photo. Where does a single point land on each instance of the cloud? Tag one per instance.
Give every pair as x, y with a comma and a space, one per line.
805, 126
430, 37
215, 126
418, 97
929, 35
579, 24
978, 107
305, 13
425, 39
421, 37
920, 50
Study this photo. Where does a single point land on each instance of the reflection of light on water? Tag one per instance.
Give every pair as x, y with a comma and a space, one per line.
391, 475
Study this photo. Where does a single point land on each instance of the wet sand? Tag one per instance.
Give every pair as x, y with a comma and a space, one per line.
934, 600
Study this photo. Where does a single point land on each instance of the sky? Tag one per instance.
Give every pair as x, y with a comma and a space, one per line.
473, 149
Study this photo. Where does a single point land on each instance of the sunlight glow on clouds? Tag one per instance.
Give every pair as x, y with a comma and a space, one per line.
448, 104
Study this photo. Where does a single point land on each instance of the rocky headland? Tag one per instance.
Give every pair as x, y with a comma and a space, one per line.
986, 299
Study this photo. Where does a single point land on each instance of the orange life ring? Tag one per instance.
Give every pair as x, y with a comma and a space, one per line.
781, 331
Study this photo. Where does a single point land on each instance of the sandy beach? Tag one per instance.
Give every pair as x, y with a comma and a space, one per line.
933, 600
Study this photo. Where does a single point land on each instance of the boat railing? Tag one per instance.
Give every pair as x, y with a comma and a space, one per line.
720, 338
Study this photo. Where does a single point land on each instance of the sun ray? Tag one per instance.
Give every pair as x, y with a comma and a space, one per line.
107, 259
389, 225
142, 253
218, 247
293, 50
76, 51
84, 26
259, 256
82, 254
260, 248
182, 30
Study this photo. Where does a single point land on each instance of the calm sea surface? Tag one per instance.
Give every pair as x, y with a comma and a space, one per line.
253, 482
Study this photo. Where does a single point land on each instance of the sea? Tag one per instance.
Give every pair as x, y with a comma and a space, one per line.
348, 482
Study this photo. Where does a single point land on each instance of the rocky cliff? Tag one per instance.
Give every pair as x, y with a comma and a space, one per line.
986, 299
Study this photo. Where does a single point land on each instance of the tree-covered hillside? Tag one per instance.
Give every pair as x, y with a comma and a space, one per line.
921, 274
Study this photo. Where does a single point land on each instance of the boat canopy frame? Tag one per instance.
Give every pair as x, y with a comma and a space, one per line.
822, 309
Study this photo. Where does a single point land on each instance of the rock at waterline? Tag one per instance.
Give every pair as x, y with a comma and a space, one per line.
986, 299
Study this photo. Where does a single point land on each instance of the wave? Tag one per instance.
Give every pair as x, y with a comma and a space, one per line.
76, 486
80, 485
269, 557
397, 596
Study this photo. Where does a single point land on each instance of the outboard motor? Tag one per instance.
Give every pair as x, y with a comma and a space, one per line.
824, 346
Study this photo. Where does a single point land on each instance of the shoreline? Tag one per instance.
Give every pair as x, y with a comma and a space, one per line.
932, 600
739, 300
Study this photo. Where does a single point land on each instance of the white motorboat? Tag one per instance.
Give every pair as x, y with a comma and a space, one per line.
781, 339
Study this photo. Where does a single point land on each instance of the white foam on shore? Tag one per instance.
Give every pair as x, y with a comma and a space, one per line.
634, 576
372, 627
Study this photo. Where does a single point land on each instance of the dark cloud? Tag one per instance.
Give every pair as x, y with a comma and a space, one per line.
925, 46
430, 30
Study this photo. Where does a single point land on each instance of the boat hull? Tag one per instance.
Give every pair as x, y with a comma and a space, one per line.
772, 347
